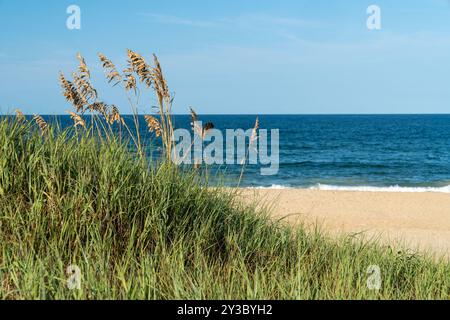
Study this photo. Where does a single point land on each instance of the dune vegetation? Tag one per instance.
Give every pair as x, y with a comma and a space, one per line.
86, 213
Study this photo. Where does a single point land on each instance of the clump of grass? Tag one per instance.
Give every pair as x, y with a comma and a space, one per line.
139, 230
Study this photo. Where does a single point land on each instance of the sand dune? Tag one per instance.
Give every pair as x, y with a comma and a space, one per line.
419, 221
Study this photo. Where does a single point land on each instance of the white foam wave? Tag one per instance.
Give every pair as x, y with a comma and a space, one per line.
396, 188
274, 186
445, 189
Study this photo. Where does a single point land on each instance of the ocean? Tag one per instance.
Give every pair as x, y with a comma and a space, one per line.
342, 152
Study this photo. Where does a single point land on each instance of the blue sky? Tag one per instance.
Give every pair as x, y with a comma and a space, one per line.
235, 56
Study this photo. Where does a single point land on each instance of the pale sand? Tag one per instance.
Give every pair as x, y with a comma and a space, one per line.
419, 221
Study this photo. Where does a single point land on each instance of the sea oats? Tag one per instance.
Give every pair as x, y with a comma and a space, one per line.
84, 87
130, 80
82, 95
114, 116
198, 130
82, 68
43, 126
101, 108
77, 119
254, 135
71, 94
196, 127
82, 81
206, 128
153, 125
160, 84
112, 75
20, 117
138, 64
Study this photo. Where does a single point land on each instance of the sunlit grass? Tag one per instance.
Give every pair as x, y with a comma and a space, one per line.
142, 230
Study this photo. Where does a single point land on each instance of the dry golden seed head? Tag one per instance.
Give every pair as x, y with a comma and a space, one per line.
153, 125
256, 124
99, 107
130, 82
138, 65
43, 126
254, 135
71, 94
77, 120
84, 88
112, 75
106, 62
208, 126
159, 81
198, 130
83, 67
115, 110
114, 116
66, 86
20, 117
157, 64
82, 85
194, 116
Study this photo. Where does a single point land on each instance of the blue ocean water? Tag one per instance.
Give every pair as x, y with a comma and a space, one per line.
398, 152
360, 151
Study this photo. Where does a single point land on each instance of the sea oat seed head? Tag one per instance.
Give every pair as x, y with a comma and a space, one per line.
153, 125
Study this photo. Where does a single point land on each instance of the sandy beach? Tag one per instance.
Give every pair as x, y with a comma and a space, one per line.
419, 221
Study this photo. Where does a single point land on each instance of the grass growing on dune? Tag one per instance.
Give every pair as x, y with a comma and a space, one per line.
138, 231
141, 230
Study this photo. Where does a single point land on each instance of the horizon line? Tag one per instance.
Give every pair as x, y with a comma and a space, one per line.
258, 114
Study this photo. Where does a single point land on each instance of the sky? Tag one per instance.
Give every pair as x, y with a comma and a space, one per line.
236, 56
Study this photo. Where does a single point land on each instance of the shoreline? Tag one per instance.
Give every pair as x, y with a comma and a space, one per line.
419, 221
389, 189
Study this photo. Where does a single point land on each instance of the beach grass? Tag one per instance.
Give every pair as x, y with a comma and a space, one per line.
85, 216
143, 230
